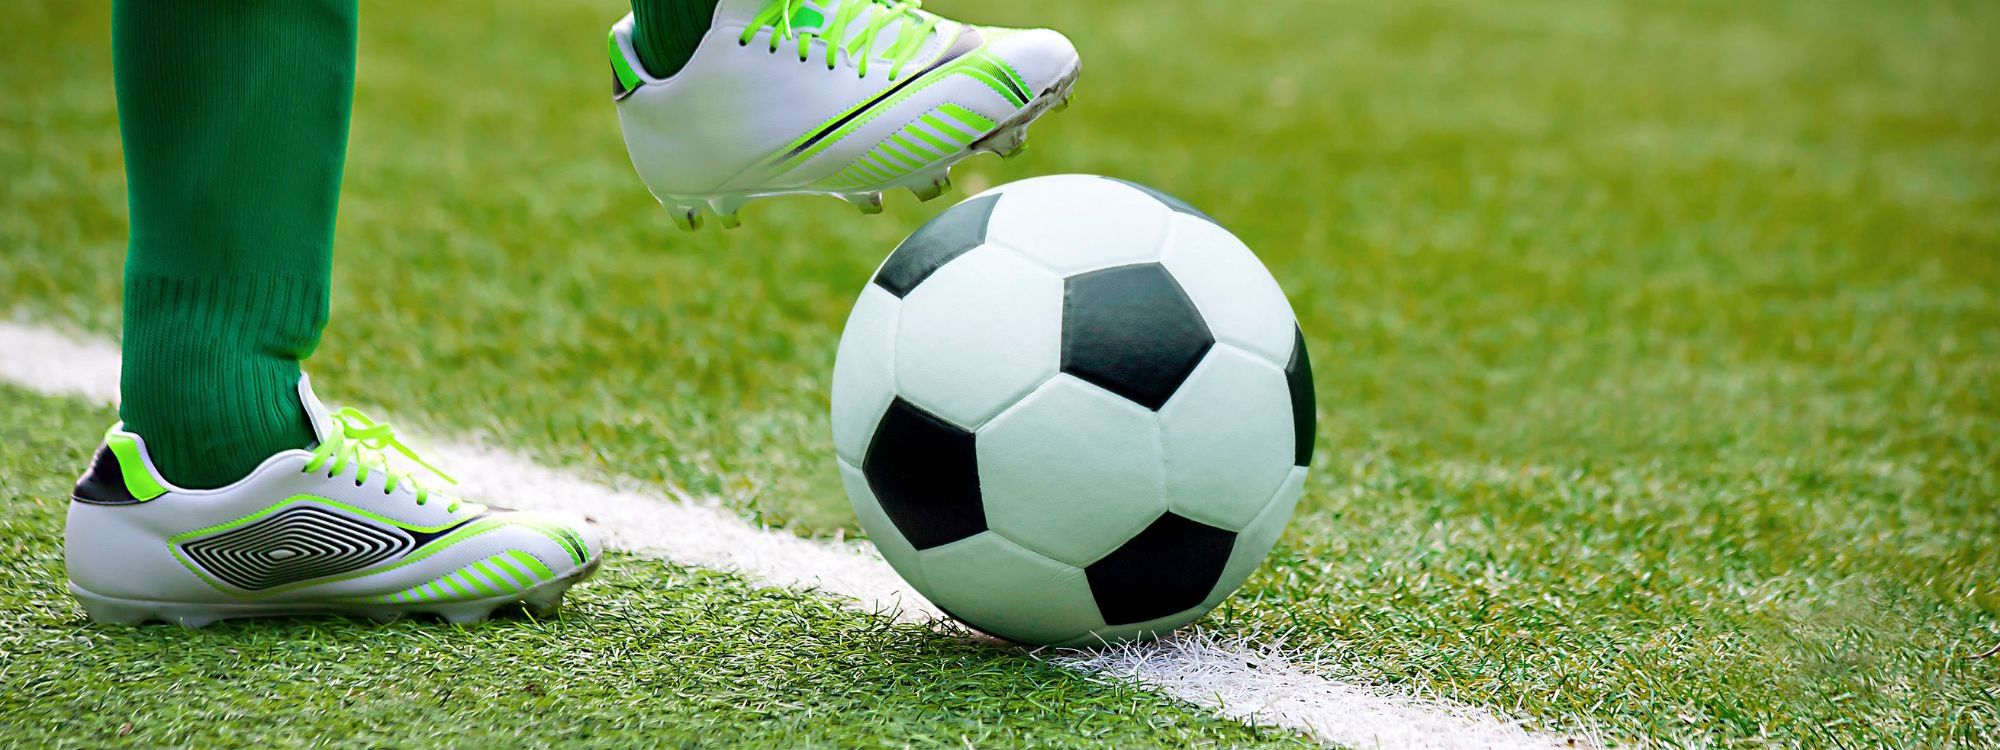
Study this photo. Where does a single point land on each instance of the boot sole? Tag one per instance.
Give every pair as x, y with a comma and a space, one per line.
540, 600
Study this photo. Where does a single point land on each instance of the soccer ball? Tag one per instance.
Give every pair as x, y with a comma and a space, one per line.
1073, 410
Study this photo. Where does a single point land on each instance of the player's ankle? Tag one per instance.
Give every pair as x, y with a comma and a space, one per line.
215, 439
212, 364
666, 32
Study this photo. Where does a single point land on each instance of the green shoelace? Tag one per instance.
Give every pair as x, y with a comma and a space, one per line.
361, 443
859, 46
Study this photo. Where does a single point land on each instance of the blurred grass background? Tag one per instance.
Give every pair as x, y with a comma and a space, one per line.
1655, 342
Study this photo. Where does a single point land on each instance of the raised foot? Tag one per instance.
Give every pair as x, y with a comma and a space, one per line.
1007, 140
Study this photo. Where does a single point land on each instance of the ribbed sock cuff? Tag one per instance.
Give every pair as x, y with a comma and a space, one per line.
212, 367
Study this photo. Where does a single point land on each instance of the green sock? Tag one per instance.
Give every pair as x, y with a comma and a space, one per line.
234, 116
665, 32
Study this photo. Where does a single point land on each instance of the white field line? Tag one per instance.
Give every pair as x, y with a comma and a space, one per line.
1260, 685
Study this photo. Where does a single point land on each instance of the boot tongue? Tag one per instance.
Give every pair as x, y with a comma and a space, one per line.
322, 423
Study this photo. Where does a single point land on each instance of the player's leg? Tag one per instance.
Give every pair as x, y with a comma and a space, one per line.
234, 117
834, 97
227, 490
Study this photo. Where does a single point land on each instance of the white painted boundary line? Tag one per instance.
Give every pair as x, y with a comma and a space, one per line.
1255, 685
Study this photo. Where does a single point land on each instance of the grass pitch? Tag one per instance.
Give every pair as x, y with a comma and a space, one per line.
1656, 347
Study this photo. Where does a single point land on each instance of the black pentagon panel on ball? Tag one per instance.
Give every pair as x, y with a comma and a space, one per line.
925, 473
1172, 202
1169, 567
1133, 331
936, 243
1305, 419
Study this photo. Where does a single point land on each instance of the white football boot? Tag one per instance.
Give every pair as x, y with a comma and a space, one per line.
834, 97
327, 530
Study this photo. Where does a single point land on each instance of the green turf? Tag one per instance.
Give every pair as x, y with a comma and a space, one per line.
1656, 342
643, 655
